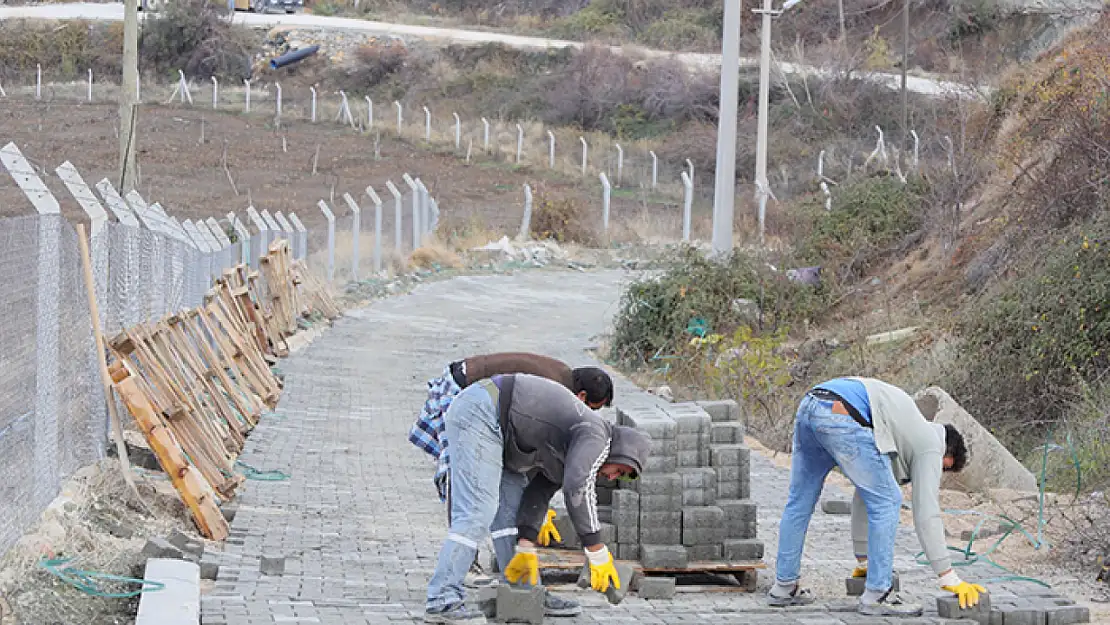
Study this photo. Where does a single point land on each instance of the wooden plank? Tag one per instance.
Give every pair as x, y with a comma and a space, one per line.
194, 490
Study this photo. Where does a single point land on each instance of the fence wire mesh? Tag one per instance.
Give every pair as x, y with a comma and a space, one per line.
53, 417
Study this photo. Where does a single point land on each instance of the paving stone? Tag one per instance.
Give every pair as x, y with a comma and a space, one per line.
836, 506
1023, 616
704, 553
727, 433
663, 556
743, 549
520, 605
856, 585
948, 606
1066, 615
157, 547
657, 588
272, 565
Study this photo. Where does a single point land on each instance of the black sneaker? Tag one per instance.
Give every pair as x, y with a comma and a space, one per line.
891, 604
799, 596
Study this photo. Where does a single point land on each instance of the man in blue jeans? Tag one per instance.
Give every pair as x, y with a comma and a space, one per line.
515, 441
880, 440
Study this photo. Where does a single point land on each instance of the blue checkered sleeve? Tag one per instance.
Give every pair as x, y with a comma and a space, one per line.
429, 432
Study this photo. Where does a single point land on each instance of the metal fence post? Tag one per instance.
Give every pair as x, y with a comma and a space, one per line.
620, 163
377, 228
585, 150
551, 149
356, 227
654, 169
330, 216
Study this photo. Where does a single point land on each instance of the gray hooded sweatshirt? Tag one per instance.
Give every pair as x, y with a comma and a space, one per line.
559, 442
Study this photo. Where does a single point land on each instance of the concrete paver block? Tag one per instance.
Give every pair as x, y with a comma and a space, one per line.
949, 607
1066, 615
836, 506
272, 565
663, 556
157, 547
1022, 616
856, 585
743, 549
626, 573
520, 604
721, 409
657, 588
727, 433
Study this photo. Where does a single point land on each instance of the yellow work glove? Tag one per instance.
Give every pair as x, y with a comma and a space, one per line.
548, 532
968, 593
860, 570
524, 564
602, 570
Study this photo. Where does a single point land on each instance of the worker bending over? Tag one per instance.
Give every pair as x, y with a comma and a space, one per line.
880, 440
515, 441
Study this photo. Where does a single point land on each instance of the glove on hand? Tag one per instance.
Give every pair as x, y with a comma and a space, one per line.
968, 593
860, 570
548, 532
602, 570
524, 564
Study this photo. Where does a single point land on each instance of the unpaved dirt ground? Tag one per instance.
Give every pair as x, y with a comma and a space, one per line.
188, 178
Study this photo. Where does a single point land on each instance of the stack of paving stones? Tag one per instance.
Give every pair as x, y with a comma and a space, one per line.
691, 503
1016, 606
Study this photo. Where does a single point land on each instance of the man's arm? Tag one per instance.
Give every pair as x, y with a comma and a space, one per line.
533, 507
587, 451
925, 476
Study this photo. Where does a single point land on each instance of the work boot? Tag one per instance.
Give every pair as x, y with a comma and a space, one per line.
456, 614
554, 605
780, 597
890, 604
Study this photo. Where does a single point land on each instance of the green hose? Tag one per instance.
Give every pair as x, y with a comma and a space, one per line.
85, 581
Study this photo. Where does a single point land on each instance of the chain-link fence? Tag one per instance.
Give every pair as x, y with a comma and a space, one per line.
53, 416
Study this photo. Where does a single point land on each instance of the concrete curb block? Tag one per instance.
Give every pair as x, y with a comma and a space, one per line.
178, 603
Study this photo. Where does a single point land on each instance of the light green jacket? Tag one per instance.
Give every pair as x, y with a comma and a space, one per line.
916, 450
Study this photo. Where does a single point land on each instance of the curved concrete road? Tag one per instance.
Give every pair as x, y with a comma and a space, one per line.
693, 60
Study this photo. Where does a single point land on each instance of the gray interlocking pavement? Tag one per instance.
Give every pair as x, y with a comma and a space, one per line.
358, 522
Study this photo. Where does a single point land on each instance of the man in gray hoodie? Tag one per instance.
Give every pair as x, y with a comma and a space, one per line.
880, 440
516, 440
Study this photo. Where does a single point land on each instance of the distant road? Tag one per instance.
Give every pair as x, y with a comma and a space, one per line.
697, 61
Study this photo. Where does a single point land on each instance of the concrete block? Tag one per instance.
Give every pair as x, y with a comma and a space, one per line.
604, 513
657, 588
520, 604
856, 585
727, 433
704, 552
660, 503
996, 617
486, 597
663, 447
836, 506
740, 517
626, 573
660, 464
721, 409
566, 529
687, 442
1022, 616
736, 455
272, 565
699, 497
209, 569
156, 547
178, 602
628, 551
731, 489
739, 549
702, 525
949, 607
701, 478
663, 556
660, 484
691, 422
605, 494
186, 543
671, 535
608, 533
688, 459
1066, 615
626, 501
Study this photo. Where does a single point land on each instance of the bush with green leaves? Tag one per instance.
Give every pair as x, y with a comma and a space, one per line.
694, 295
1032, 344
871, 219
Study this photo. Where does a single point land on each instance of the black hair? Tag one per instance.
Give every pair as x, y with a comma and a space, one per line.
597, 384
955, 448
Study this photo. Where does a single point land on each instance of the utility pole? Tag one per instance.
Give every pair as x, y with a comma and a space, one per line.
128, 99
761, 184
724, 191
905, 68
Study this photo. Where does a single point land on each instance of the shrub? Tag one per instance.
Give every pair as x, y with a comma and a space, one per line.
193, 36
65, 51
1031, 344
870, 221
694, 296
562, 219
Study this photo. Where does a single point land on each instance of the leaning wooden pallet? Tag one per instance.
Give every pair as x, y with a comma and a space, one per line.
247, 404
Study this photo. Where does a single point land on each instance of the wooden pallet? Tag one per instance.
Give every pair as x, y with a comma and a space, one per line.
732, 576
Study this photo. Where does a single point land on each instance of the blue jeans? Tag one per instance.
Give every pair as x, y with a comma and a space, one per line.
823, 439
484, 497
